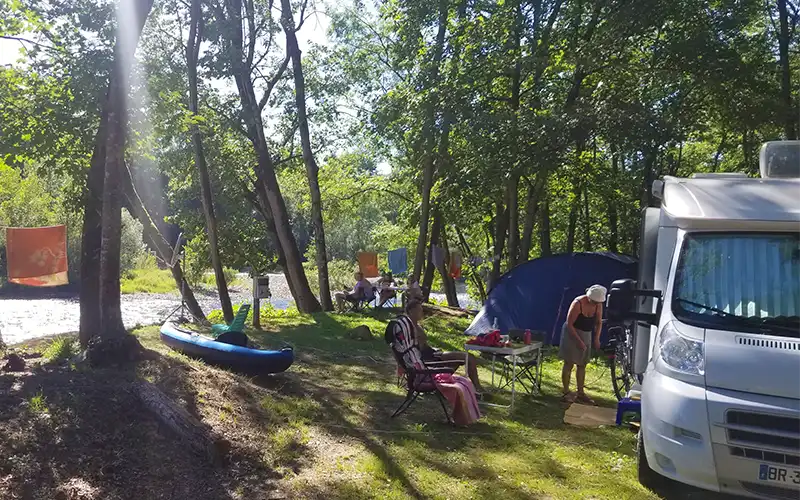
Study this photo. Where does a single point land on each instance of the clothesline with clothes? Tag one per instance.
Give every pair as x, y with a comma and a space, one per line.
398, 262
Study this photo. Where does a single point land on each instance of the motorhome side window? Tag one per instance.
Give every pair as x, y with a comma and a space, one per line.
746, 282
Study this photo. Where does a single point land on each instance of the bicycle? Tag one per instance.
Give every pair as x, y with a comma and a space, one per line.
620, 358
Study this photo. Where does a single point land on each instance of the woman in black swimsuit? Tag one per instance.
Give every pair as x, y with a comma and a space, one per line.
584, 319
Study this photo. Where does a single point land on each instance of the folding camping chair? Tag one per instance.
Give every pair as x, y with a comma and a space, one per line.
237, 325
362, 304
418, 375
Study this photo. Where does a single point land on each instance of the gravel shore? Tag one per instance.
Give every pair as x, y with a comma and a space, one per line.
26, 319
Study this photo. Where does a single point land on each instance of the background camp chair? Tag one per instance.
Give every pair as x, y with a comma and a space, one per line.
362, 305
418, 381
237, 325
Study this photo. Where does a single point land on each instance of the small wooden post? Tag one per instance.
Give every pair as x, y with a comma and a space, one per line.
256, 303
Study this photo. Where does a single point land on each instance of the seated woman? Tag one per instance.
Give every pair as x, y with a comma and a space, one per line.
362, 291
384, 283
415, 313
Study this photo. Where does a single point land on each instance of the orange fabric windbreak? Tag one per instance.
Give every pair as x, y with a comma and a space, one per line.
455, 264
37, 256
368, 264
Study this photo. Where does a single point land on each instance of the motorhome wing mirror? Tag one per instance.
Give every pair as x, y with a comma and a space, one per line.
621, 301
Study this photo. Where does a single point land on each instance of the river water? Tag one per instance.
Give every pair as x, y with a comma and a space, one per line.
30, 318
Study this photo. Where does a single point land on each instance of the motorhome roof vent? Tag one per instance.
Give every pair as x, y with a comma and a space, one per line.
780, 160
719, 175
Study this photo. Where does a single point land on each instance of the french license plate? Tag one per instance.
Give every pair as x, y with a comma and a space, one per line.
779, 475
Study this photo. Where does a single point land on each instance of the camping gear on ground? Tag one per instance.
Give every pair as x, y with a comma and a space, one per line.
237, 325
538, 293
368, 264
37, 256
430, 377
589, 416
627, 408
398, 261
219, 352
455, 264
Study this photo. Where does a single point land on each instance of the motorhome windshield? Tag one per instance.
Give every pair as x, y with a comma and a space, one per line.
746, 282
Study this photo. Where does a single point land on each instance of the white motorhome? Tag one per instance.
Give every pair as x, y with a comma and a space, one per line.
719, 349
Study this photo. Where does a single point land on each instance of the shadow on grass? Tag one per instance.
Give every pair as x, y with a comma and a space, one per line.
75, 434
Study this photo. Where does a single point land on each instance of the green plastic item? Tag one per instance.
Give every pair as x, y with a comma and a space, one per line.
237, 325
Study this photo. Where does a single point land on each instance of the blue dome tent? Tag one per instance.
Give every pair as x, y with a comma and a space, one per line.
537, 294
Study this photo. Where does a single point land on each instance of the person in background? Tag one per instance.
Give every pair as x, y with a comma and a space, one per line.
580, 333
384, 283
415, 312
361, 291
413, 290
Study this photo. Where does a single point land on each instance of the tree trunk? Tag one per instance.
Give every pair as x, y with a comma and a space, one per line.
531, 211
265, 170
501, 226
573, 217
192, 54
467, 252
153, 236
195, 435
447, 281
790, 120
430, 269
613, 236
545, 240
101, 313
312, 170
587, 226
91, 234
512, 195
110, 308
429, 141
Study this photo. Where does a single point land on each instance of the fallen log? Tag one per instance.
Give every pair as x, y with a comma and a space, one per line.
197, 436
446, 311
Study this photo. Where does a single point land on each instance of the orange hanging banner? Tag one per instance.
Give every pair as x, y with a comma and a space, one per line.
368, 264
37, 256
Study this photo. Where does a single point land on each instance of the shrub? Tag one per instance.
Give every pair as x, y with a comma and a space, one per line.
340, 275
268, 311
60, 349
131, 246
210, 279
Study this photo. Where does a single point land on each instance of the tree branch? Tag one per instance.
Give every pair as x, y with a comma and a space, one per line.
366, 190
271, 84
23, 41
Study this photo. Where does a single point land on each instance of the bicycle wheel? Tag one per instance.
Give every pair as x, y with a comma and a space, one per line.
621, 378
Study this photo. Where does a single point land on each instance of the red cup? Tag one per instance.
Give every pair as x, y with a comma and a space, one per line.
527, 337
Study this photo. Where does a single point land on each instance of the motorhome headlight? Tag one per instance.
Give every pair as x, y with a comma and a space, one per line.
680, 353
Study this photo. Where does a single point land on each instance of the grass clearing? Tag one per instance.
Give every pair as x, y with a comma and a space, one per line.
320, 430
148, 280
60, 349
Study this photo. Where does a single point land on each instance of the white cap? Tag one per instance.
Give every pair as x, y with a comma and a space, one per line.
596, 293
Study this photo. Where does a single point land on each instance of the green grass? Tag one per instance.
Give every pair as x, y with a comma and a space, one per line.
60, 349
148, 280
343, 391
38, 403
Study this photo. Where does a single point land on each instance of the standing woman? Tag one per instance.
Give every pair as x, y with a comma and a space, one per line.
584, 318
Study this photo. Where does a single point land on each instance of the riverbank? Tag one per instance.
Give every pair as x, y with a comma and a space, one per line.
28, 317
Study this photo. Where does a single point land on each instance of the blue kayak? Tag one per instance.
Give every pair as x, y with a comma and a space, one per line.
245, 359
